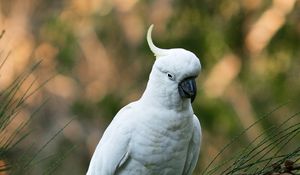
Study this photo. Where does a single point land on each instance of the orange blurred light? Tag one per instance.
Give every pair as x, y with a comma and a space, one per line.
267, 25
62, 86
222, 75
3, 165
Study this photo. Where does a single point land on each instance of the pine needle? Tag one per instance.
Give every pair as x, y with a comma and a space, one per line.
268, 151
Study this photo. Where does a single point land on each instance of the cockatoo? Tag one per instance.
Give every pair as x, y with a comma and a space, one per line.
159, 133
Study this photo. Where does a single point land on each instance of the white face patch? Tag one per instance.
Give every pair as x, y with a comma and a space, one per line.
180, 62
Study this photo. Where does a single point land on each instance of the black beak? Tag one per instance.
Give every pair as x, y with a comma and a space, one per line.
188, 89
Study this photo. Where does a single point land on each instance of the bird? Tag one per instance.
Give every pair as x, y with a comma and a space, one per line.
158, 134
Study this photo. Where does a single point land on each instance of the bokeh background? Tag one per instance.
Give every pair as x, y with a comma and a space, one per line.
97, 55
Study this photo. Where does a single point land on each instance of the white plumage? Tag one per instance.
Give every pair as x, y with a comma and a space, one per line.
158, 134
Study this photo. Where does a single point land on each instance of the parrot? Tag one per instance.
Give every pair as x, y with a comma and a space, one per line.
158, 134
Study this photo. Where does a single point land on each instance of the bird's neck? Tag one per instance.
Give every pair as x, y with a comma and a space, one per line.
159, 96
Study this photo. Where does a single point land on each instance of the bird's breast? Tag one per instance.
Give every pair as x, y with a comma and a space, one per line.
163, 138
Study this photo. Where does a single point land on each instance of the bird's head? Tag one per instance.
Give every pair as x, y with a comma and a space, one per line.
174, 70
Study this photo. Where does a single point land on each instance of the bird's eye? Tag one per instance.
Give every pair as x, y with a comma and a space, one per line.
170, 76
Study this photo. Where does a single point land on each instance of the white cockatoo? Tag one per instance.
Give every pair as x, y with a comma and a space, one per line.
159, 133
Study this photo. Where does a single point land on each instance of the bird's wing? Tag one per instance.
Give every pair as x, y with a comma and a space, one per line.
113, 148
194, 148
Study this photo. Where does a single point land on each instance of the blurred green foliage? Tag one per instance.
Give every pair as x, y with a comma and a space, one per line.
99, 48
60, 34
